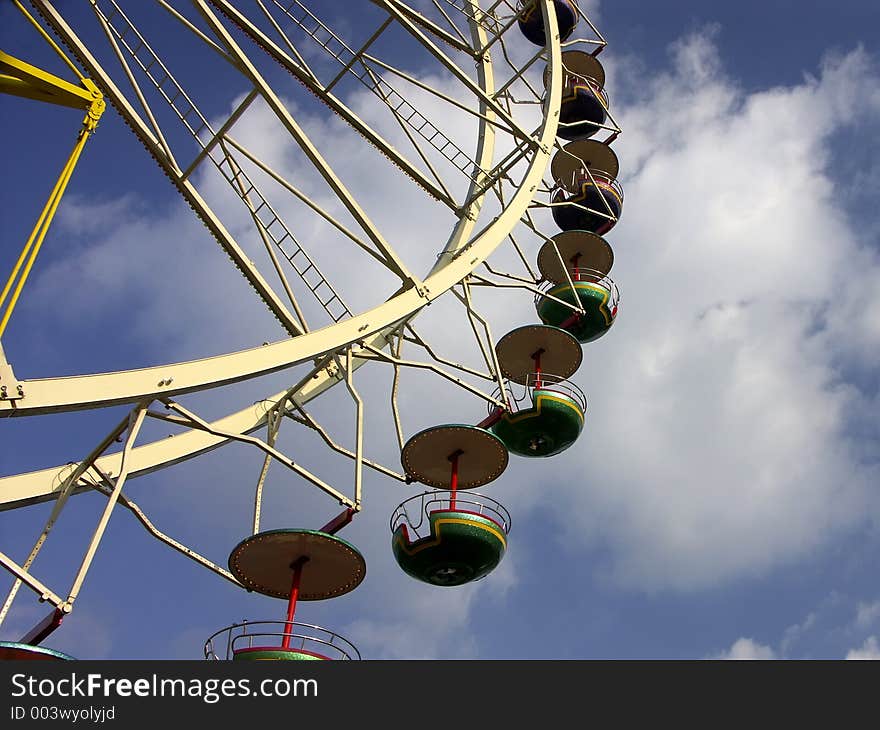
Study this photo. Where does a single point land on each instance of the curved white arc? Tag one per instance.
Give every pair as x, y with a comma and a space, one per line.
40, 486
105, 389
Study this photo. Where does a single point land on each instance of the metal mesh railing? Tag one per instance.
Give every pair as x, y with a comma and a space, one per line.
520, 396
582, 177
590, 276
305, 638
441, 500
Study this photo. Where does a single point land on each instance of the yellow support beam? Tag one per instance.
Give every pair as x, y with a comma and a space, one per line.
22, 79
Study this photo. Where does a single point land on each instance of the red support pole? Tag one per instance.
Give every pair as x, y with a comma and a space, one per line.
297, 567
453, 483
571, 321
574, 265
44, 628
338, 522
491, 419
537, 358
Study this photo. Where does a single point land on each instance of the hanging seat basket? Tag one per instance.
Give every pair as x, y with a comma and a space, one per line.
550, 419
589, 289
449, 538
254, 640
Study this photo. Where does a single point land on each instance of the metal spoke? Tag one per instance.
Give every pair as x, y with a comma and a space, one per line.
484, 192
392, 260
395, 8
311, 83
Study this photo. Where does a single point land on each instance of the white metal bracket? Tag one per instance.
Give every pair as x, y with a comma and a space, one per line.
10, 387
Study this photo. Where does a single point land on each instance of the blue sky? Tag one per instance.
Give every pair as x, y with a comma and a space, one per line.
722, 501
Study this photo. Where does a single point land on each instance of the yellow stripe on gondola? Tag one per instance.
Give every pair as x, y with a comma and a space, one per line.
606, 295
536, 411
584, 87
438, 539
599, 184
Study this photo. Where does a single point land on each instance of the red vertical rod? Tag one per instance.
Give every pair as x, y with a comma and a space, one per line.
453, 482
297, 567
574, 266
44, 628
338, 522
491, 419
575, 276
537, 358
571, 321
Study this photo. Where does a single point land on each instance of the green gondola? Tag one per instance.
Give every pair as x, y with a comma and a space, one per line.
550, 426
599, 300
260, 653
461, 547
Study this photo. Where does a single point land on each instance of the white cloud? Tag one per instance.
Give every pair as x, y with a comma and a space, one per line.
867, 614
828, 630
80, 215
795, 633
869, 650
744, 648
721, 377
430, 622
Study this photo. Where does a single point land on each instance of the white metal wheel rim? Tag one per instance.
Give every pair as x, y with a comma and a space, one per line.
371, 327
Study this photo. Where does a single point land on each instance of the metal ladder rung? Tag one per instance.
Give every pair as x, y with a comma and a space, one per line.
225, 163
223, 171
146, 65
275, 235
316, 284
292, 256
379, 86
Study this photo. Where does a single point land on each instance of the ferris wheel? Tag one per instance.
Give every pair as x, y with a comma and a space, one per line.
495, 113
